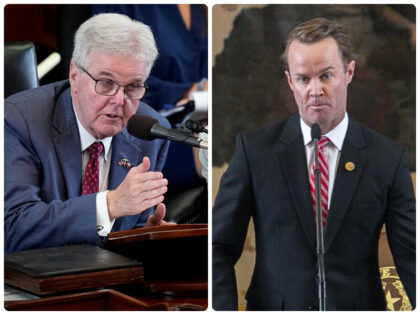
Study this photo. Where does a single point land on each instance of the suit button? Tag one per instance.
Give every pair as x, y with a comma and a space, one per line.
311, 308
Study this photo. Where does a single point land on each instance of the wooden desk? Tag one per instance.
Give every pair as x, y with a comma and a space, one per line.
172, 254
108, 300
174, 260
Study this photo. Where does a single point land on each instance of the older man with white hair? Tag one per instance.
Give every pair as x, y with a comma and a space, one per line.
72, 172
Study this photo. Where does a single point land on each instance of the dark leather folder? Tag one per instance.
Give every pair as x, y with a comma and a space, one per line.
67, 268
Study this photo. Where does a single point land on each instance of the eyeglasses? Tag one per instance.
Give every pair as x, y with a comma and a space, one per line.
132, 91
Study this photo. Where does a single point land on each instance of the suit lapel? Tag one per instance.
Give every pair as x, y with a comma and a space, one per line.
122, 148
345, 181
67, 144
293, 160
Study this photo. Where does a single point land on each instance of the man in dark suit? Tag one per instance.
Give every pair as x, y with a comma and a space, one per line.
367, 183
72, 172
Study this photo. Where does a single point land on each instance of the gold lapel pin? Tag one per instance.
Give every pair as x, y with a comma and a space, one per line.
350, 166
124, 163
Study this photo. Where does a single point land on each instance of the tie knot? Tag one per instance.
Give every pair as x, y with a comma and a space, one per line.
95, 149
323, 142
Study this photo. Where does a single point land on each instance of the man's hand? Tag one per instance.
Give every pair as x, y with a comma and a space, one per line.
139, 191
156, 218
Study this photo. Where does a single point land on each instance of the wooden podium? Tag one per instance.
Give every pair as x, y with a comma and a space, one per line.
173, 260
174, 257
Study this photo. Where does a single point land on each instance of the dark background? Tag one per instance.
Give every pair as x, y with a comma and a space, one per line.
50, 27
250, 89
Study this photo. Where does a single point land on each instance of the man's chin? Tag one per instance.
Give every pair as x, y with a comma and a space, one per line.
312, 120
319, 117
110, 131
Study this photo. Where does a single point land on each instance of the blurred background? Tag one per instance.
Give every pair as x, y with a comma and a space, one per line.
250, 89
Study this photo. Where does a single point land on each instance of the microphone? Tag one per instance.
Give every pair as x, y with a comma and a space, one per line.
148, 128
322, 291
315, 131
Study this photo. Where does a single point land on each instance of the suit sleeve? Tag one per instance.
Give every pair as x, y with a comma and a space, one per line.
30, 221
231, 214
401, 229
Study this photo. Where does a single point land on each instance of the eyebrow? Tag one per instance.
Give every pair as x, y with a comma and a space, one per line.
108, 74
319, 72
326, 69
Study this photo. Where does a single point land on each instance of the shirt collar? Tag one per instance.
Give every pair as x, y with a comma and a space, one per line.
86, 139
336, 135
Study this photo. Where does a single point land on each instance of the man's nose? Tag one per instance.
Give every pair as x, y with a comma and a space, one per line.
316, 88
120, 95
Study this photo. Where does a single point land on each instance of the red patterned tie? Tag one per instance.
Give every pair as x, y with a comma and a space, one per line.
323, 166
91, 177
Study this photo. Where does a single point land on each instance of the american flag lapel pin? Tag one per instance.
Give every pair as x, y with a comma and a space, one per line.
124, 163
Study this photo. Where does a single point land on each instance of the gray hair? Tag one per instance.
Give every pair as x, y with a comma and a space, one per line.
114, 34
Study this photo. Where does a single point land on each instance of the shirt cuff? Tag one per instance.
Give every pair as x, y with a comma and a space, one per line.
103, 223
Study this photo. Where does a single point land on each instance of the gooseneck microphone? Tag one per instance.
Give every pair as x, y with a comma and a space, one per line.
148, 128
316, 131
316, 135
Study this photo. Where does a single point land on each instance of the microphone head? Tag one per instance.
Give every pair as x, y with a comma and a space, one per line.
140, 126
315, 131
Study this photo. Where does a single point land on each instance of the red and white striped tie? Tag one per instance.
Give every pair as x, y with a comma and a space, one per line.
323, 166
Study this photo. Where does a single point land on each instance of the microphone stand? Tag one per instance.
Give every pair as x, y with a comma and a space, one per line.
319, 233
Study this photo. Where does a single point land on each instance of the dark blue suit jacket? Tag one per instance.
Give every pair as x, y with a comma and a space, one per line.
43, 206
267, 180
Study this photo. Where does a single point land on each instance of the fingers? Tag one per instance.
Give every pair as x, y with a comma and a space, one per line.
141, 184
148, 203
143, 167
159, 214
152, 194
157, 217
141, 174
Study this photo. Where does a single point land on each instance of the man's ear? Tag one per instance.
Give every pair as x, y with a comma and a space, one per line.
350, 71
289, 79
73, 73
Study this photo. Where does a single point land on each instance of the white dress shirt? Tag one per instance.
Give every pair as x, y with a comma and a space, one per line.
332, 152
104, 224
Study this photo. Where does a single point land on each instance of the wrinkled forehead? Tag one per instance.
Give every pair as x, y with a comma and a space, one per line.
93, 55
313, 56
119, 63
97, 58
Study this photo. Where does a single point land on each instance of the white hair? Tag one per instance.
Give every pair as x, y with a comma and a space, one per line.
114, 33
